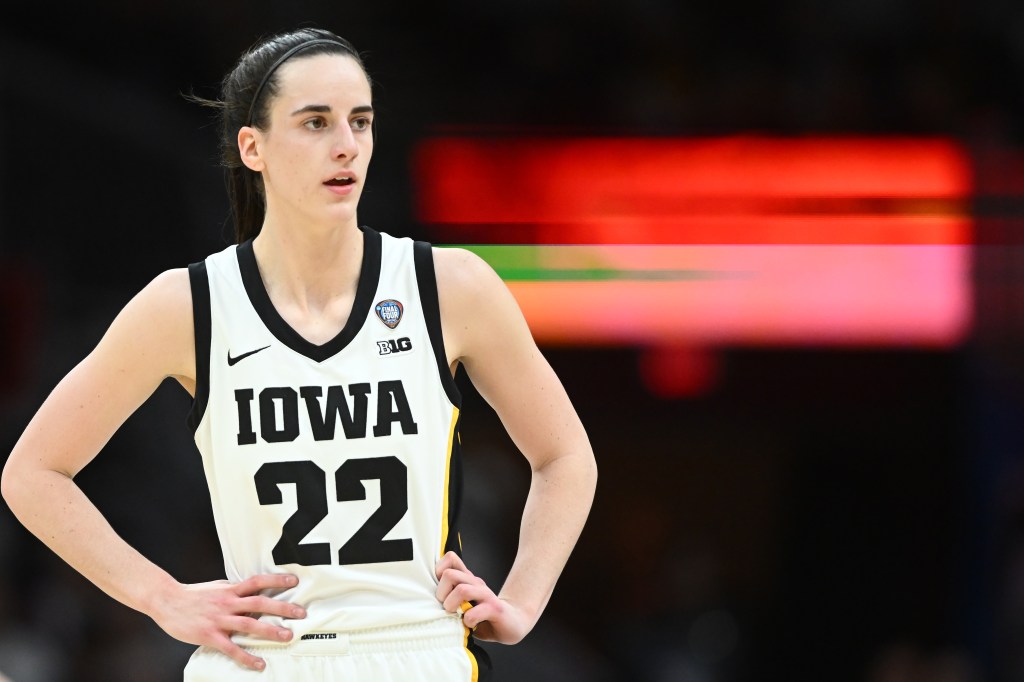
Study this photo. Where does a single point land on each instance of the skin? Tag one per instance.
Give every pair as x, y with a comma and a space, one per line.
309, 252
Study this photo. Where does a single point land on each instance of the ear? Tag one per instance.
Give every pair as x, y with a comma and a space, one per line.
250, 142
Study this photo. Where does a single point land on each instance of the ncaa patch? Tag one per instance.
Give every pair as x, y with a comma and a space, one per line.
389, 311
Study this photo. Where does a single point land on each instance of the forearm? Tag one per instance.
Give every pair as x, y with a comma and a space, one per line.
54, 509
561, 493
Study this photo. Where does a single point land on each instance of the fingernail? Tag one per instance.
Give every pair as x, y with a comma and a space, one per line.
284, 634
291, 580
299, 613
260, 665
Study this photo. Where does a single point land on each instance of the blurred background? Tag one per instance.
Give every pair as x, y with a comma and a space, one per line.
773, 250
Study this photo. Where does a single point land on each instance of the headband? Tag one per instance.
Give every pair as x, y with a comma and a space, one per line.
281, 60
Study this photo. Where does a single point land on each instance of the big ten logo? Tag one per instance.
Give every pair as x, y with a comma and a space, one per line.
394, 345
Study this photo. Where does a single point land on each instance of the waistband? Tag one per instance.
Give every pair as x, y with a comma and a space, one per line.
435, 634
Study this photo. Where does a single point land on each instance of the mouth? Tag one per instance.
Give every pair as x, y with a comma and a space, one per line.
340, 181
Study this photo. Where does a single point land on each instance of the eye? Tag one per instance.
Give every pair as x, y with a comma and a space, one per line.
315, 123
361, 123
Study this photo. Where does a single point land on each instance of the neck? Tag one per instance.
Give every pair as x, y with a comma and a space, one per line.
309, 268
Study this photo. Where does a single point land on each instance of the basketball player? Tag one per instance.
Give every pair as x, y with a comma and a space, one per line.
320, 358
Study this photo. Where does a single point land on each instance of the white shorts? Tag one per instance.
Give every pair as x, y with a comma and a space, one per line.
435, 651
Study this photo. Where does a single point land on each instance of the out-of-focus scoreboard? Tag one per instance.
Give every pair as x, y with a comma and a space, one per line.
706, 242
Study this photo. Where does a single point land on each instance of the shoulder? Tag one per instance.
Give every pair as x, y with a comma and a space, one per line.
462, 274
168, 294
470, 292
478, 312
157, 323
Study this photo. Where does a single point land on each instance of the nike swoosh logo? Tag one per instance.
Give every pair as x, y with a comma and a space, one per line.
243, 356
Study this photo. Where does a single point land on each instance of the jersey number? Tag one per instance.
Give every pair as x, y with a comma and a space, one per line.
368, 545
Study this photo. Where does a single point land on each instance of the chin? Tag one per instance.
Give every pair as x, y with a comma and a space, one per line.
340, 215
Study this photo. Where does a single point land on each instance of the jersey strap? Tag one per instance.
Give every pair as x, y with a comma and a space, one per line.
426, 280
199, 281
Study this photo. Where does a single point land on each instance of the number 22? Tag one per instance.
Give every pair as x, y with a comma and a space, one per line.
367, 545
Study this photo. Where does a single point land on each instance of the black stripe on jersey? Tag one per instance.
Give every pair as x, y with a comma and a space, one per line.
426, 280
369, 274
484, 667
453, 543
199, 281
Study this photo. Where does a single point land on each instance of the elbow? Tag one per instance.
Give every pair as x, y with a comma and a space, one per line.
9, 484
586, 466
584, 470
15, 485
588, 462
592, 473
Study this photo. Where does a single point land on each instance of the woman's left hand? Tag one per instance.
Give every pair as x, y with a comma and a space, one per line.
490, 617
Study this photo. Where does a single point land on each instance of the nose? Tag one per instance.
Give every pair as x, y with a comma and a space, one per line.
345, 146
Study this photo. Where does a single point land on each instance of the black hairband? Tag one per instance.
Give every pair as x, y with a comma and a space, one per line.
281, 60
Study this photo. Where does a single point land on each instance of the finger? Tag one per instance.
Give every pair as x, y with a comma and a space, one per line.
484, 631
257, 628
466, 592
270, 607
241, 656
265, 581
449, 560
452, 577
482, 612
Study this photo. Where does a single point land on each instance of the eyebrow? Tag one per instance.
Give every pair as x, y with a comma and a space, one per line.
326, 109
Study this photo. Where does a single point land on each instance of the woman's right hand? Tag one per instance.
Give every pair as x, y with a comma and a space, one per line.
207, 614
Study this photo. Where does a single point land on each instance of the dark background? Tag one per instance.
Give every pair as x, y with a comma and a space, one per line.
818, 514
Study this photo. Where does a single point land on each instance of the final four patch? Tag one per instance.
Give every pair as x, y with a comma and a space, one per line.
390, 312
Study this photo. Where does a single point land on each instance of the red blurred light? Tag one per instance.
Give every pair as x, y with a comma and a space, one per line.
678, 371
749, 190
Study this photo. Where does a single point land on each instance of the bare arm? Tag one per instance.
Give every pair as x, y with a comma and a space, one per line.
485, 330
150, 340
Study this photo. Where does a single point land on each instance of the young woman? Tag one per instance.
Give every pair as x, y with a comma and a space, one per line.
320, 356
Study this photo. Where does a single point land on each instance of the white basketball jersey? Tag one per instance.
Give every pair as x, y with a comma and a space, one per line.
335, 462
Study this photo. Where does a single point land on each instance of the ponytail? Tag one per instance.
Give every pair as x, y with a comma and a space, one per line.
247, 203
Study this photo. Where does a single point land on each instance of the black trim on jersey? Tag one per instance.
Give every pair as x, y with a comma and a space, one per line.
199, 281
369, 274
484, 667
453, 543
423, 257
